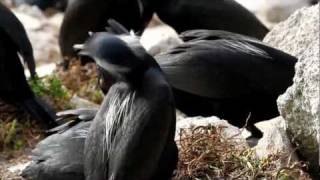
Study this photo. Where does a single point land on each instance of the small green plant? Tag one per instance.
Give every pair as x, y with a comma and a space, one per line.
11, 133
51, 89
37, 86
10, 137
56, 88
48, 85
18, 132
17, 129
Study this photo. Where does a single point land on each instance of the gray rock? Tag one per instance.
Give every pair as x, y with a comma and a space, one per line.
298, 33
274, 140
271, 12
159, 38
180, 115
299, 106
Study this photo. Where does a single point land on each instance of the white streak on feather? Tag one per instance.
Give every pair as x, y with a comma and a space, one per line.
81, 133
119, 109
141, 9
244, 47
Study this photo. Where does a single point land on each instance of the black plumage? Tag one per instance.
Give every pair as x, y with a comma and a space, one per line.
60, 156
249, 77
82, 16
226, 15
232, 76
133, 131
12, 30
14, 87
59, 5
228, 75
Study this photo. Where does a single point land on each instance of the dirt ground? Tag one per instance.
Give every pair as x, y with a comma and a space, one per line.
10, 167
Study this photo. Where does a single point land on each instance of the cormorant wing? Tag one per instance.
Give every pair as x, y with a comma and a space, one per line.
203, 34
10, 24
70, 118
59, 156
227, 68
116, 28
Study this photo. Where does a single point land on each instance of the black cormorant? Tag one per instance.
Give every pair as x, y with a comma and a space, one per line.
213, 73
59, 5
228, 75
83, 16
226, 15
132, 135
232, 76
60, 156
14, 87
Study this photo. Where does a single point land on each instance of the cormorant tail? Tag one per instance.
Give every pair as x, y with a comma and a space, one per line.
40, 111
116, 28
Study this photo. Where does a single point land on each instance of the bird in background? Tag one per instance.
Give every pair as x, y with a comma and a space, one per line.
14, 87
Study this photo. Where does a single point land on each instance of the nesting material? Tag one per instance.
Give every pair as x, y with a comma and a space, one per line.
204, 153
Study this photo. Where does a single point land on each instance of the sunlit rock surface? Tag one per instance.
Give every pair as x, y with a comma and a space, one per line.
300, 106
275, 140
270, 12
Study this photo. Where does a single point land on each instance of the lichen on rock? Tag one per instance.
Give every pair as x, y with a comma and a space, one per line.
300, 106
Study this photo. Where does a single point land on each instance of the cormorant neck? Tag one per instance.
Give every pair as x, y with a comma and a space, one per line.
159, 4
134, 77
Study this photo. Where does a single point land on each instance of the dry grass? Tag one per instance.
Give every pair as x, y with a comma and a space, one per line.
17, 132
81, 80
205, 154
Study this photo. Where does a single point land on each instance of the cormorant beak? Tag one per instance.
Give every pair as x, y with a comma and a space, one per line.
80, 48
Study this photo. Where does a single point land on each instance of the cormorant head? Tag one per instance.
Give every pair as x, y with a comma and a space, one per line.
112, 55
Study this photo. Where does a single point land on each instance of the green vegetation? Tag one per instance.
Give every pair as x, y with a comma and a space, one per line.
17, 134
50, 88
48, 85
17, 129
